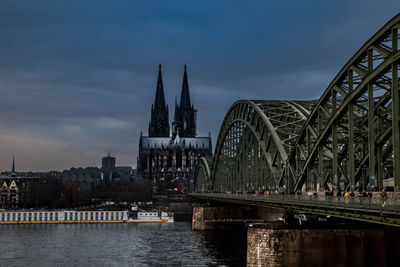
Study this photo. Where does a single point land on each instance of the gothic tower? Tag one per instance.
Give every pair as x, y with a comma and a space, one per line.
13, 166
159, 123
184, 122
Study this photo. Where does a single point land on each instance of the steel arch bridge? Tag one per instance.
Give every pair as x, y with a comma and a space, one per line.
349, 139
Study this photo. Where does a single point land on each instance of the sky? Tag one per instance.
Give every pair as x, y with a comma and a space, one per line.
77, 78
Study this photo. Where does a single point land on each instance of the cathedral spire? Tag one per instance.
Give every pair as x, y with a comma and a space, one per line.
185, 95
159, 124
159, 100
13, 166
185, 114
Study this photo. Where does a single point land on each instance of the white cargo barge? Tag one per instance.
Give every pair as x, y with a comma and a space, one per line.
66, 216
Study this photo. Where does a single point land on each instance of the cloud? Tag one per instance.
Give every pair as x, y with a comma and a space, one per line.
77, 79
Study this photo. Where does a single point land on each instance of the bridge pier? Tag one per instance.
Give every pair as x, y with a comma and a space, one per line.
277, 245
221, 217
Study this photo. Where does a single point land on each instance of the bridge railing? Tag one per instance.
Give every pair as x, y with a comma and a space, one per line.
388, 205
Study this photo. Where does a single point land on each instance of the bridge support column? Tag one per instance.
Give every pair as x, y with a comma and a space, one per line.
273, 245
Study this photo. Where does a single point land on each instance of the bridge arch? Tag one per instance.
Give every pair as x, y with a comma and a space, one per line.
253, 144
203, 175
356, 121
349, 139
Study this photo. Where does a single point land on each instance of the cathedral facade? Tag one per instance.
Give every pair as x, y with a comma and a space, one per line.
171, 158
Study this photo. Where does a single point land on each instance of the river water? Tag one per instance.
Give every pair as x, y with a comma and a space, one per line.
168, 244
175, 244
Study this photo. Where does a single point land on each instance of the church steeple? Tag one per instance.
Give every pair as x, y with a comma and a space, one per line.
185, 95
159, 100
185, 114
159, 123
13, 166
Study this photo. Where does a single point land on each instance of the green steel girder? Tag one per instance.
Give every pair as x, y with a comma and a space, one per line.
202, 174
258, 134
347, 140
347, 120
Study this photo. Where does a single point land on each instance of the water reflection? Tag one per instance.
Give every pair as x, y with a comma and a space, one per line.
119, 245
177, 245
228, 247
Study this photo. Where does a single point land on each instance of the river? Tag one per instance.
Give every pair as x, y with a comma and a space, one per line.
120, 245
175, 244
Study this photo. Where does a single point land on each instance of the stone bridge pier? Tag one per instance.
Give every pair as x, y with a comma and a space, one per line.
274, 245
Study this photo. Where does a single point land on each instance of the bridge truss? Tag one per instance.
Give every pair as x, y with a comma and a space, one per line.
349, 139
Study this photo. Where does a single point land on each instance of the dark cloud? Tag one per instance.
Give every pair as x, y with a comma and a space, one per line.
77, 78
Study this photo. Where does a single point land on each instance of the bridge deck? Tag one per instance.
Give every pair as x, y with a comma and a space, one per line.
368, 209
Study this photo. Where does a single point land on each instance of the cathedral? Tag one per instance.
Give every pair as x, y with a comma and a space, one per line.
171, 159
